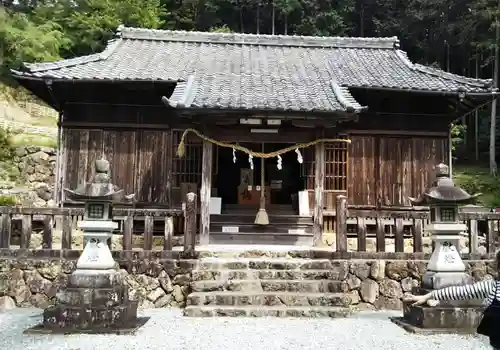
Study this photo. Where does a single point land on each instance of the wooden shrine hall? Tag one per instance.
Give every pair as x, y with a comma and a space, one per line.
248, 121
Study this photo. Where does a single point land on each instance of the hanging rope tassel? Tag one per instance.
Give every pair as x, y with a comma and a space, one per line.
299, 156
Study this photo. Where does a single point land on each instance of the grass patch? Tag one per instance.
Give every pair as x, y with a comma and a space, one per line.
477, 179
44, 121
6, 200
33, 140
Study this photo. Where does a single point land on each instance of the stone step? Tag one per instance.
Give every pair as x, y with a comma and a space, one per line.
307, 286
304, 275
273, 264
261, 238
271, 299
266, 311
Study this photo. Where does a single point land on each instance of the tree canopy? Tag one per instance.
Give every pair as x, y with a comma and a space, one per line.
457, 36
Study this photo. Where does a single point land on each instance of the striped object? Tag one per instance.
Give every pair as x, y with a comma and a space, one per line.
481, 290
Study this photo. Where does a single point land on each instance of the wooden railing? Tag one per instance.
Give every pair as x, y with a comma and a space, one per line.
355, 227
47, 220
406, 224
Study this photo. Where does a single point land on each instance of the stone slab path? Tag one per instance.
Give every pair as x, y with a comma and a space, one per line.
168, 329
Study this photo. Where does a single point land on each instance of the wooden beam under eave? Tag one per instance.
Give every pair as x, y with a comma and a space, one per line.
205, 192
319, 176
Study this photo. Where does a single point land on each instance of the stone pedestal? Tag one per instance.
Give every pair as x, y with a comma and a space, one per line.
445, 269
93, 301
440, 319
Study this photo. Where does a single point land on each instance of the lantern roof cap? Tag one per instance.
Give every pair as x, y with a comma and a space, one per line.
100, 187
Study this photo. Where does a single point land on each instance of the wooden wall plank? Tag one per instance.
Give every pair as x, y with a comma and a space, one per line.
386, 169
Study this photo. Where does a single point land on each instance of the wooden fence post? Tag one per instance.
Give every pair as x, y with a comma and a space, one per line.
47, 232
148, 232
473, 237
361, 234
417, 236
399, 238
341, 221
5, 230
67, 222
190, 224
128, 230
26, 231
169, 233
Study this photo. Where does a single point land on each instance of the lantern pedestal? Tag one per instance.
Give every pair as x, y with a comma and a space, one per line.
445, 267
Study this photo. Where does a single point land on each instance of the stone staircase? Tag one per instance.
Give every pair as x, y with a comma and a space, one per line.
280, 287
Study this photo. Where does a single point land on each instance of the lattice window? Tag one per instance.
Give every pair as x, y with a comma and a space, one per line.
336, 155
307, 167
447, 214
188, 168
336, 166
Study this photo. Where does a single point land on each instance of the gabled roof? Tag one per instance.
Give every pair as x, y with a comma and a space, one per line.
265, 72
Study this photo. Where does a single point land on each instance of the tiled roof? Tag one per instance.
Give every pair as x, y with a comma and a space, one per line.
265, 72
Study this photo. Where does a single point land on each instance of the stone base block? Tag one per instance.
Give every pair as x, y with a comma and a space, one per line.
89, 317
127, 329
440, 319
401, 322
439, 280
95, 279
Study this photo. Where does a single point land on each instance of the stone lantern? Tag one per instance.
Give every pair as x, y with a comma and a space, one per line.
96, 299
445, 267
98, 197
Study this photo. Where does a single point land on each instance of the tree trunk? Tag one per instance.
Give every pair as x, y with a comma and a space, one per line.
286, 23
362, 21
476, 116
258, 17
493, 163
273, 17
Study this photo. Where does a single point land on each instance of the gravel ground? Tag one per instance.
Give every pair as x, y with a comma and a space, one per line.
167, 329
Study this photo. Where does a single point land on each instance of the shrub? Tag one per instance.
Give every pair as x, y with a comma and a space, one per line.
478, 180
6, 200
6, 148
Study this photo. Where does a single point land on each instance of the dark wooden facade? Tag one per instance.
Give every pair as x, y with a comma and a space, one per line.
389, 158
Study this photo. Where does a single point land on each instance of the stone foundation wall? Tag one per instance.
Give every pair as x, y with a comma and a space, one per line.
376, 284
31, 176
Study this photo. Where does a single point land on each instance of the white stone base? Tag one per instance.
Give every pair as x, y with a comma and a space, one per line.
96, 254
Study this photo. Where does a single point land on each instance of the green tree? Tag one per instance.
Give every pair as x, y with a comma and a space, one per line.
22, 40
89, 24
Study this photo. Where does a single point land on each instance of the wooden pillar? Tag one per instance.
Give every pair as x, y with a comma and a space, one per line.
170, 156
206, 185
190, 213
319, 176
341, 220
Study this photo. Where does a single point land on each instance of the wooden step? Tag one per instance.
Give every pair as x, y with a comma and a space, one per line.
271, 228
250, 218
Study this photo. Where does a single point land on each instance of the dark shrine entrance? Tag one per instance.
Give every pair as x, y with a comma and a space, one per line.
238, 184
